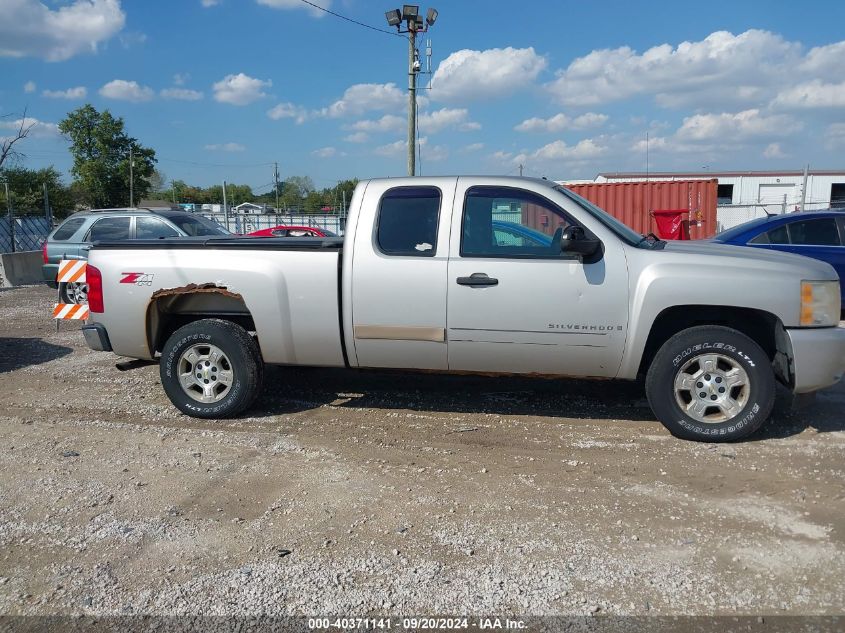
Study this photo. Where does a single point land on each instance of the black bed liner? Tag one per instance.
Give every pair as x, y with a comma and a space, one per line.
234, 243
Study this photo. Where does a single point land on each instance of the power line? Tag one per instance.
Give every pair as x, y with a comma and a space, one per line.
343, 17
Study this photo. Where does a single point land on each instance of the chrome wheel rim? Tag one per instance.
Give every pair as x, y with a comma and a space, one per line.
76, 292
712, 388
205, 373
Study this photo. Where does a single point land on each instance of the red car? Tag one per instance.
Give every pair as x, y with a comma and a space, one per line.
284, 230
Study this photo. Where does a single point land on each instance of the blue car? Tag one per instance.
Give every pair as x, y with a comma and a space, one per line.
816, 234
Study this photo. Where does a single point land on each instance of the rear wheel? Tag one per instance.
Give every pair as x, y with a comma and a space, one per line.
211, 369
711, 384
73, 292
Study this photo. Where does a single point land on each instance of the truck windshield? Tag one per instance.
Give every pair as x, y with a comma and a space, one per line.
623, 231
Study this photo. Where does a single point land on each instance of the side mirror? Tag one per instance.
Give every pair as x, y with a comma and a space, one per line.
574, 241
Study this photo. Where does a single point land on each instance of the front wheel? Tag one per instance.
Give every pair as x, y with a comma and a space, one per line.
211, 369
711, 384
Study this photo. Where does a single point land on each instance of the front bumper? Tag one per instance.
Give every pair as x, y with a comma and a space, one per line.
96, 337
818, 357
49, 272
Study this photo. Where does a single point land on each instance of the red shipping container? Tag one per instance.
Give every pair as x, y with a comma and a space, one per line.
635, 202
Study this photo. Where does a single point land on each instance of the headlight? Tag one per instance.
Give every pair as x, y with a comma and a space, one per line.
820, 303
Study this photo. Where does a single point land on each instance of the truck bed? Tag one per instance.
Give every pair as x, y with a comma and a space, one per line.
233, 242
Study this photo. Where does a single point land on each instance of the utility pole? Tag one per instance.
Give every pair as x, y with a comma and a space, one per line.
520, 170
225, 208
410, 15
46, 204
276, 183
804, 187
412, 102
131, 179
11, 217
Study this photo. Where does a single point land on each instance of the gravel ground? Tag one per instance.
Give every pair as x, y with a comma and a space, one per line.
363, 493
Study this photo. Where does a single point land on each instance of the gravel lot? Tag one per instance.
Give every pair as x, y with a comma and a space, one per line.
363, 493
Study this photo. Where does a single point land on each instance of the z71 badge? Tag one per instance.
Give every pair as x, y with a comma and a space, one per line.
139, 279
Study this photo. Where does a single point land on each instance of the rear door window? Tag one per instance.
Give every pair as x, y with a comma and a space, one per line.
820, 232
407, 221
66, 230
778, 235
116, 228
153, 229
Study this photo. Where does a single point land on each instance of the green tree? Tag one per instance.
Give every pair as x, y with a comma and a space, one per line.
101, 150
26, 188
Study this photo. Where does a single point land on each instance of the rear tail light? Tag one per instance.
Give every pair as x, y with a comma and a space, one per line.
44, 253
94, 279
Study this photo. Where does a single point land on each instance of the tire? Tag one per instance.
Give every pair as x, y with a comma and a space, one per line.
73, 292
220, 365
711, 384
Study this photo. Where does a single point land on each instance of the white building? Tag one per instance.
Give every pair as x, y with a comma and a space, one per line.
744, 195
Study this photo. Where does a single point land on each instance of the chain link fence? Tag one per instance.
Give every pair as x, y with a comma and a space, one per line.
24, 233
247, 223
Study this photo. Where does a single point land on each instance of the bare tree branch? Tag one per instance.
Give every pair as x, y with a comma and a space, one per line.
22, 130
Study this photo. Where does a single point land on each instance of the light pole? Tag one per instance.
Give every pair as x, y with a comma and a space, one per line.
413, 21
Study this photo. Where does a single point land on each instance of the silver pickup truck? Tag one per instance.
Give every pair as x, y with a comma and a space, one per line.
476, 274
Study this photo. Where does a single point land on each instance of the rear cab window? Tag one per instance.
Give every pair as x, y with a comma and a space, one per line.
67, 229
407, 221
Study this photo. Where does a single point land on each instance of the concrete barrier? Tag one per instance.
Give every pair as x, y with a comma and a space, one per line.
18, 269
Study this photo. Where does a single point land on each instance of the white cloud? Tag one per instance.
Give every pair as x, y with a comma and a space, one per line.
297, 4
39, 129
209, 3
29, 28
357, 137
79, 92
497, 72
29, 87
813, 94
288, 111
472, 147
586, 149
240, 89
835, 136
327, 152
361, 98
179, 79
225, 147
501, 156
773, 150
181, 94
387, 123
561, 122
429, 152
126, 91
391, 149
730, 128
721, 68
432, 122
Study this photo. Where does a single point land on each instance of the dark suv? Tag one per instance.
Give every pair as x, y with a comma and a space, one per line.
73, 238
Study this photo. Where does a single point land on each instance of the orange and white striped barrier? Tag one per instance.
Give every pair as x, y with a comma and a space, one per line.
71, 311
71, 270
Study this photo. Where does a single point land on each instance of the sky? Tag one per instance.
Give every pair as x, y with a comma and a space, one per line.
221, 89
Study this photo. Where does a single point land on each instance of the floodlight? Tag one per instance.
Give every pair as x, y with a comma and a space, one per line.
410, 12
431, 16
394, 18
418, 23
